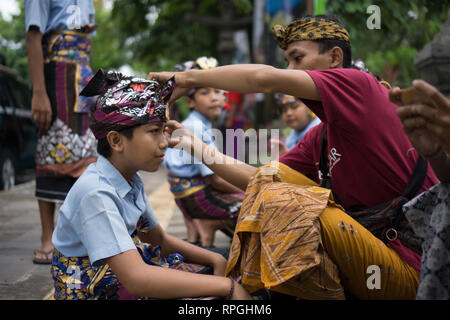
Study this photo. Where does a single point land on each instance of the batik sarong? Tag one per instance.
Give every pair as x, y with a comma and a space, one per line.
65, 150
291, 237
76, 279
198, 200
277, 244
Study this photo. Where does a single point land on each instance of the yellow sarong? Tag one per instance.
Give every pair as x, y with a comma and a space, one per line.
277, 243
292, 238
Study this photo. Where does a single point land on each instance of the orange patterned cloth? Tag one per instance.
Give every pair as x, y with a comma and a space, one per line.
277, 244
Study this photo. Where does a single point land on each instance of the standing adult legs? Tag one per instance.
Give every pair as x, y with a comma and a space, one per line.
47, 214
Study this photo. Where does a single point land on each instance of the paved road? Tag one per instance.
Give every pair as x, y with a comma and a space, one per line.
20, 231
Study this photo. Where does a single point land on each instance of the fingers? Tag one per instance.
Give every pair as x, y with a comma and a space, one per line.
173, 142
417, 110
48, 119
441, 133
41, 111
42, 119
439, 100
394, 95
412, 124
36, 118
161, 77
154, 76
172, 125
275, 141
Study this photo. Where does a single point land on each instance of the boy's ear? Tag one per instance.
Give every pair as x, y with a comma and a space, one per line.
337, 57
115, 140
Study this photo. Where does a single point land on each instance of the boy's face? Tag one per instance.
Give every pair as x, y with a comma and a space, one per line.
295, 115
304, 55
145, 149
208, 102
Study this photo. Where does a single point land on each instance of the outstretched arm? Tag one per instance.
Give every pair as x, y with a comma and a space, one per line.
231, 170
141, 279
220, 184
243, 78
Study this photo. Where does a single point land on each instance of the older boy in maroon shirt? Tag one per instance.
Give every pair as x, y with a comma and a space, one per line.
371, 158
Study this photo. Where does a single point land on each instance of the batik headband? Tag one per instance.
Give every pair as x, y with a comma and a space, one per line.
309, 28
202, 63
126, 101
284, 99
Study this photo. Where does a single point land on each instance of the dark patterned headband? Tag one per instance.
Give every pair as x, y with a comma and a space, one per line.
126, 101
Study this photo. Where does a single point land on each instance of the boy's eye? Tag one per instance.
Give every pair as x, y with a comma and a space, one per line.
298, 58
155, 130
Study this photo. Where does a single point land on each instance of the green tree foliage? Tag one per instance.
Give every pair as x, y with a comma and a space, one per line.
406, 26
12, 42
107, 49
159, 33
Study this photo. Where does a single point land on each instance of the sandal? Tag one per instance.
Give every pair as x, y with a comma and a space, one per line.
48, 256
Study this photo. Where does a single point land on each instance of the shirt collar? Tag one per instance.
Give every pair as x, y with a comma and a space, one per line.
202, 118
115, 177
313, 123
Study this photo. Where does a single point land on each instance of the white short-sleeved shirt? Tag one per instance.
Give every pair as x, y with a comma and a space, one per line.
296, 136
50, 15
100, 214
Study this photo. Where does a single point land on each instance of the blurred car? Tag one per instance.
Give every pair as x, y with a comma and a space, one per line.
17, 132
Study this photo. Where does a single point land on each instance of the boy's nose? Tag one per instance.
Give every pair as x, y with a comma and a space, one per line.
215, 97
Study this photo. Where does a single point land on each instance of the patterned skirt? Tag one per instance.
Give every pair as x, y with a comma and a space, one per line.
198, 200
65, 150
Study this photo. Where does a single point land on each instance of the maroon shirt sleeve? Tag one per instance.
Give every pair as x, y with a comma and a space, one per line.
344, 94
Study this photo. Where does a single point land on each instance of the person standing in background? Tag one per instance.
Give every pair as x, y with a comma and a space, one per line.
58, 47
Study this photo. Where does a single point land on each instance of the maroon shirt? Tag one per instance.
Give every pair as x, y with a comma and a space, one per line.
371, 158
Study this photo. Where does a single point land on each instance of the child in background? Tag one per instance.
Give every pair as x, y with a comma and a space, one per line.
295, 115
108, 243
207, 201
